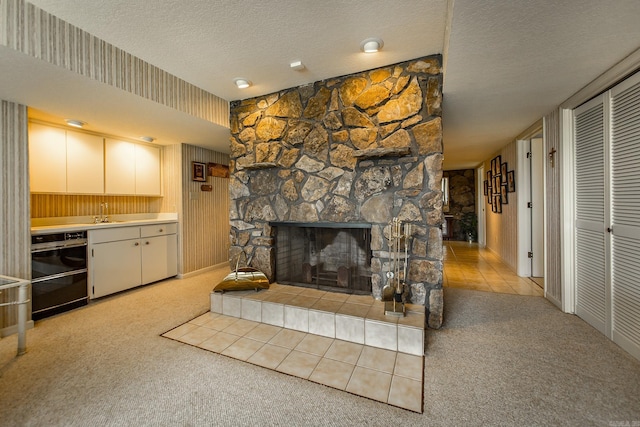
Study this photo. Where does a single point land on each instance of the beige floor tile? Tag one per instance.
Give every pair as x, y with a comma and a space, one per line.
335, 296
344, 351
198, 335
281, 298
242, 349
176, 333
241, 327
315, 293
220, 323
332, 373
269, 356
357, 310
327, 305
360, 299
409, 366
303, 301
314, 344
412, 319
299, 364
263, 332
287, 338
406, 393
219, 342
201, 320
376, 312
370, 383
378, 359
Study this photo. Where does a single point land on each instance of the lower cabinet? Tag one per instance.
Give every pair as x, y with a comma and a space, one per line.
122, 258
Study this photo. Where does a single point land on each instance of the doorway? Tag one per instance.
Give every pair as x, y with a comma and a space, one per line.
537, 210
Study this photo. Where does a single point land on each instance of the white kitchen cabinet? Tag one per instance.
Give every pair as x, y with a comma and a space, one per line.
122, 258
132, 168
47, 159
120, 167
159, 252
85, 163
147, 170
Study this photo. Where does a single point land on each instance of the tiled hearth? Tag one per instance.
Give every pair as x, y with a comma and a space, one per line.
339, 340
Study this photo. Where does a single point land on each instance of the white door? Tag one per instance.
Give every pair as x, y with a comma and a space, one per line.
537, 207
625, 215
592, 287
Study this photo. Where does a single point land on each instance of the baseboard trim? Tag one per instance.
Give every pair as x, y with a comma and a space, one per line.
202, 270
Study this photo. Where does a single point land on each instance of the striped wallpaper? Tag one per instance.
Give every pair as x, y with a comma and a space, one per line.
52, 205
15, 240
553, 273
34, 32
502, 229
205, 215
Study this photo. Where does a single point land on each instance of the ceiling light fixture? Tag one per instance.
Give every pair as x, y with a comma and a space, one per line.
147, 138
242, 83
297, 65
371, 45
75, 123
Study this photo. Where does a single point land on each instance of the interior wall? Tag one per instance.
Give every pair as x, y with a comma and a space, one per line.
502, 228
15, 231
553, 229
205, 214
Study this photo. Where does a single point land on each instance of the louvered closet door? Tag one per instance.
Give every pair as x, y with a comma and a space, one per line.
625, 214
591, 215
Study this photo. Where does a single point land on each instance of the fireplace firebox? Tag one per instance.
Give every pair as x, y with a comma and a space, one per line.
326, 256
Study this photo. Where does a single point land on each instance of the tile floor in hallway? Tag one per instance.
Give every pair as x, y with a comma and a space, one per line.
387, 376
468, 266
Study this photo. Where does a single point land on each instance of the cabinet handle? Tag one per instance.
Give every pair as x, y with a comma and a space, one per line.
136, 244
146, 243
161, 230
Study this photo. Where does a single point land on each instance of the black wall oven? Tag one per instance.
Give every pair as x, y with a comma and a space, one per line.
58, 273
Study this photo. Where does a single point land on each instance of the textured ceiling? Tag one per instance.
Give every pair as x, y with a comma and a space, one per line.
507, 62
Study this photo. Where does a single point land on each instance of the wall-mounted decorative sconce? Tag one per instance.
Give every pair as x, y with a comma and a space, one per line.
371, 45
242, 83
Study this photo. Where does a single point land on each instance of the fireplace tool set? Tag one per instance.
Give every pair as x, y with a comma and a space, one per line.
394, 293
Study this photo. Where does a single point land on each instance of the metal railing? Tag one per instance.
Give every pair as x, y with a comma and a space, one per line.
7, 282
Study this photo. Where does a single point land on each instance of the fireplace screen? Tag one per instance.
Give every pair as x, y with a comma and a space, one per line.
328, 258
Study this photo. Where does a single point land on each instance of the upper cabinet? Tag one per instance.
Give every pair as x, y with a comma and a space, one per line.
132, 168
47, 159
66, 161
85, 163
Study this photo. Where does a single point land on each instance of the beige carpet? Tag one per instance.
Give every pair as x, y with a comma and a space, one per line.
500, 360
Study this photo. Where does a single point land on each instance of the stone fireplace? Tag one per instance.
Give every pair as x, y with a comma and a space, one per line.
359, 149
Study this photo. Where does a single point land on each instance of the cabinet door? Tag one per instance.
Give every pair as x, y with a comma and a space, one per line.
115, 267
47, 159
85, 163
120, 167
147, 170
159, 258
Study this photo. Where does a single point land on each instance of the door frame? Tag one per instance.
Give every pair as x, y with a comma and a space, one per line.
480, 207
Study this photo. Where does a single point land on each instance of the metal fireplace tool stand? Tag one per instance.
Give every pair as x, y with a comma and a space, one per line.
394, 293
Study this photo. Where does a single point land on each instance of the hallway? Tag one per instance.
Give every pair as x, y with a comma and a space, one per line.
467, 266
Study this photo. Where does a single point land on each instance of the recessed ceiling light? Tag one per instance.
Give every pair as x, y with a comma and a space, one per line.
242, 83
147, 138
371, 45
75, 123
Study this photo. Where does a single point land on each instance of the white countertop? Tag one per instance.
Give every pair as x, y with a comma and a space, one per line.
81, 223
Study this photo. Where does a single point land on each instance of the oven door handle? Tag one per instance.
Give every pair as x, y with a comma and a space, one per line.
56, 247
59, 275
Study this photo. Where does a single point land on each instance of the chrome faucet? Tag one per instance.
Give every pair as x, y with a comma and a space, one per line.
104, 217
